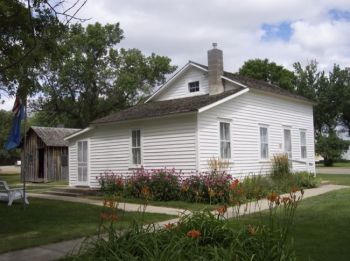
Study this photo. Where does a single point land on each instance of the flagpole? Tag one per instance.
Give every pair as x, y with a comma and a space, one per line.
24, 153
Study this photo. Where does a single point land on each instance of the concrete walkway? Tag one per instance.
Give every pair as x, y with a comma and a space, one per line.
59, 250
123, 206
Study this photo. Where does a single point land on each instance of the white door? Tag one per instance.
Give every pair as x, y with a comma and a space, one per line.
83, 162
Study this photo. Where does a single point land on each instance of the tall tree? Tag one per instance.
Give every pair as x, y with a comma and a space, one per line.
89, 77
28, 31
270, 72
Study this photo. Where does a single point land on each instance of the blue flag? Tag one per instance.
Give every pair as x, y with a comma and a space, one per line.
15, 135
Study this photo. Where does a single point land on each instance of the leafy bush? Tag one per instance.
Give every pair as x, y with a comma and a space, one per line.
193, 188
139, 181
200, 236
280, 167
256, 186
306, 180
111, 183
164, 185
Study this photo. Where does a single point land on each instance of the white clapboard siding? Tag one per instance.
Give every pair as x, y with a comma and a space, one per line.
166, 143
179, 87
245, 113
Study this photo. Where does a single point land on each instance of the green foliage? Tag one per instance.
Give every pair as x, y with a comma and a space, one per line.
331, 147
270, 72
280, 167
164, 185
88, 77
306, 180
26, 42
200, 236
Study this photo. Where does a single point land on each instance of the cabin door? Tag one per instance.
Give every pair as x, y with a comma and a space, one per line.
41, 168
82, 163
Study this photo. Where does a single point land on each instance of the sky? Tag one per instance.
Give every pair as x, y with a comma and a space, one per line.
283, 31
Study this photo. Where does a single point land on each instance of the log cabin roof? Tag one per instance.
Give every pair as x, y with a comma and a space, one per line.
53, 137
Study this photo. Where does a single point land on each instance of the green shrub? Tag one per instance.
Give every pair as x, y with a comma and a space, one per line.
111, 183
256, 186
201, 236
280, 167
164, 185
306, 180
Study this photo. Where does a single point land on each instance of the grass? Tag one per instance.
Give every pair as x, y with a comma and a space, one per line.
336, 164
321, 230
49, 221
14, 180
337, 179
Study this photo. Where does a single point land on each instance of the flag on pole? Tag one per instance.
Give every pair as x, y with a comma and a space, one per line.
15, 133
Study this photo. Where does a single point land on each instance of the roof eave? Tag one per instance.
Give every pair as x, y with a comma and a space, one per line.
78, 133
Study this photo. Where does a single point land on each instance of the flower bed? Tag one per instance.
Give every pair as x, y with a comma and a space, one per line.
213, 188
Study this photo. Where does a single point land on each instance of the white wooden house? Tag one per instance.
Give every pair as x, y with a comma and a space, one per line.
200, 113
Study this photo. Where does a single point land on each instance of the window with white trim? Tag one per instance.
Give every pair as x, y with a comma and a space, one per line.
287, 136
225, 140
193, 86
303, 150
136, 147
264, 143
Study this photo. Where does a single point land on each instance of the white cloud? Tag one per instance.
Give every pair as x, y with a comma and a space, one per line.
185, 29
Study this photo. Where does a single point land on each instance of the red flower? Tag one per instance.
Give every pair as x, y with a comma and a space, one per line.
193, 233
104, 216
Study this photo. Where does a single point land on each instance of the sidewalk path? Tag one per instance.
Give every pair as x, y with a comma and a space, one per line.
124, 206
59, 250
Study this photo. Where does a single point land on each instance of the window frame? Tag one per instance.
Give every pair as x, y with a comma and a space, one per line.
132, 164
229, 140
189, 88
290, 155
301, 143
261, 159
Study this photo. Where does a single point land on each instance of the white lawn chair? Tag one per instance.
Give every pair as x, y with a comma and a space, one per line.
9, 195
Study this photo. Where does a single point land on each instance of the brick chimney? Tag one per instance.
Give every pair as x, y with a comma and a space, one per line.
215, 70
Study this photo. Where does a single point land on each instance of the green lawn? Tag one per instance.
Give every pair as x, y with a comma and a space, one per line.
48, 221
13, 180
321, 230
337, 164
338, 179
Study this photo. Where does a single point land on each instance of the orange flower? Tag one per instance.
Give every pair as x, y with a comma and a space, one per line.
294, 189
169, 226
252, 230
234, 184
104, 216
285, 200
273, 197
110, 204
222, 210
145, 192
193, 233
113, 217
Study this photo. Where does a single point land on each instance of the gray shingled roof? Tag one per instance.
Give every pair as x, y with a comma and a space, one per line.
53, 137
258, 84
165, 108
